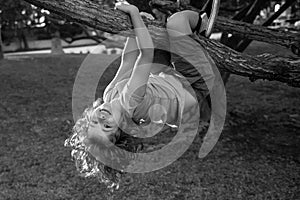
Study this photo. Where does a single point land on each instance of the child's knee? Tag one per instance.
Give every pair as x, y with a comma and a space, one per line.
177, 20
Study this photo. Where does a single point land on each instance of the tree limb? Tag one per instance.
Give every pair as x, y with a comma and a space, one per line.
264, 66
253, 32
106, 19
259, 33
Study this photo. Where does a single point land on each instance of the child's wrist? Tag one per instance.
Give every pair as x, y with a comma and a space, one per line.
134, 12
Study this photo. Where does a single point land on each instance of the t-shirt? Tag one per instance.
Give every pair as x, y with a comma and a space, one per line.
163, 102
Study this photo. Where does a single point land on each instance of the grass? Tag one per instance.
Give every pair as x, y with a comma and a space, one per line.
257, 156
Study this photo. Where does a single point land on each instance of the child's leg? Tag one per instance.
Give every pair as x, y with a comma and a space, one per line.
182, 23
188, 56
186, 22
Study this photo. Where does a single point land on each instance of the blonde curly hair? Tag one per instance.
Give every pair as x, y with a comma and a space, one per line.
86, 163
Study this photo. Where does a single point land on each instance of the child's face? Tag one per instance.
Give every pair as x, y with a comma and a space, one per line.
104, 126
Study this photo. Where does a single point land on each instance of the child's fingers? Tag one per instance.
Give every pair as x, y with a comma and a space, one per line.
117, 5
121, 5
147, 15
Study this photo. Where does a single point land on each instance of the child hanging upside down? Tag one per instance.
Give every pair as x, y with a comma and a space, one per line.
145, 96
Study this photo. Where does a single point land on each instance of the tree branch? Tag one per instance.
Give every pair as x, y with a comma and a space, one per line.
264, 66
253, 32
109, 20
259, 33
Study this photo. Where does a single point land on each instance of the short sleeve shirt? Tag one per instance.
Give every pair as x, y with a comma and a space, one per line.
163, 101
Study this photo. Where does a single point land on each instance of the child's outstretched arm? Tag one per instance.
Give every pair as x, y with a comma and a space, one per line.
142, 67
129, 57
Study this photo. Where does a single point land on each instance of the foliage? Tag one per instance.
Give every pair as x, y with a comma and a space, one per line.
18, 14
18, 17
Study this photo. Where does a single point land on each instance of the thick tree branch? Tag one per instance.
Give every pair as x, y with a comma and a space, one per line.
246, 30
259, 33
243, 45
264, 66
106, 19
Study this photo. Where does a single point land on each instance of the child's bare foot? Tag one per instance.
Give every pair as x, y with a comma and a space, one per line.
204, 23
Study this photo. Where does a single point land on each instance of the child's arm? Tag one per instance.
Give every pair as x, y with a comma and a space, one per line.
129, 56
141, 70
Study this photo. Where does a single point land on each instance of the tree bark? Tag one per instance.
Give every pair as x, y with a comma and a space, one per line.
235, 41
246, 30
267, 67
109, 20
259, 33
292, 46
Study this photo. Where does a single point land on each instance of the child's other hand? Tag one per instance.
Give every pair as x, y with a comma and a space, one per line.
126, 7
147, 15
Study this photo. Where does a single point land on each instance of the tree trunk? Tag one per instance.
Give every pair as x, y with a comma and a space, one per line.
24, 39
109, 20
1, 45
56, 46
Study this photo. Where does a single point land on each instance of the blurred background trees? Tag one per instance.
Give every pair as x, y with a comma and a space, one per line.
21, 22
15, 17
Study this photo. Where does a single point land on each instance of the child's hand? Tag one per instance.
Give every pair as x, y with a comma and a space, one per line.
126, 7
147, 15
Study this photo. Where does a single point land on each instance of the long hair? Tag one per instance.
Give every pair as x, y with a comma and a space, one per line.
86, 164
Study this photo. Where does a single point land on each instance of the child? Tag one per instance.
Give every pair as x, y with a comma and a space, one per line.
143, 97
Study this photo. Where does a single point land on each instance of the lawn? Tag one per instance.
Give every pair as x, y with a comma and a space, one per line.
257, 156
